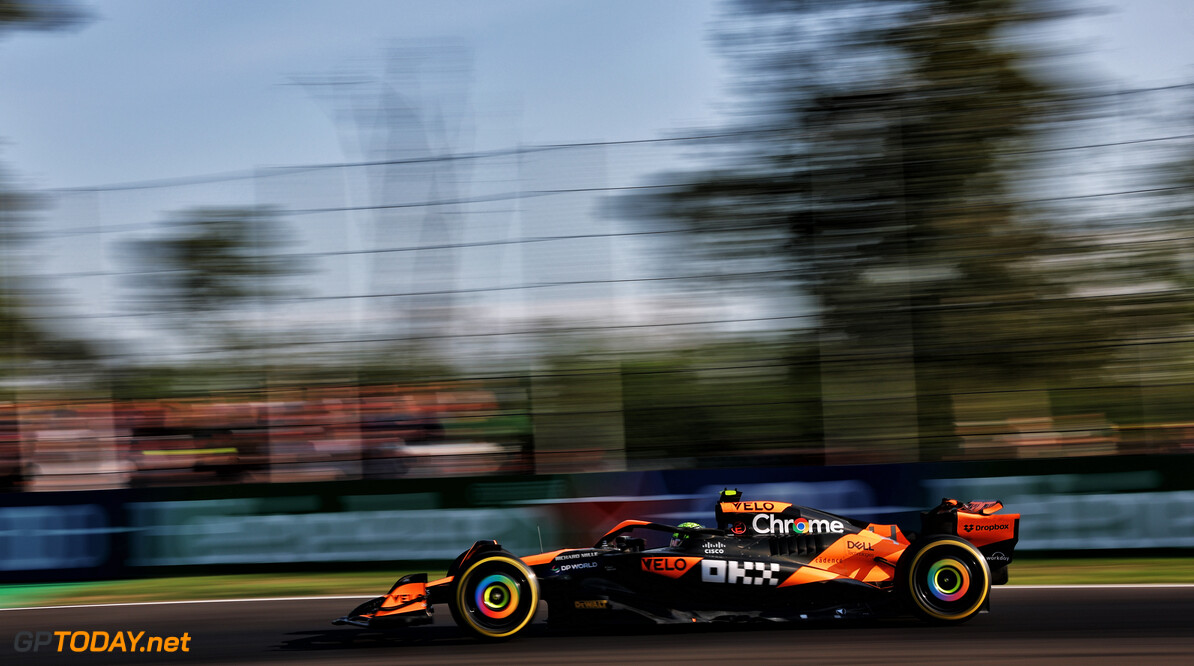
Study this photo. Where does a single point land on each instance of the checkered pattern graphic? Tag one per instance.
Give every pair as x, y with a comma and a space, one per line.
752, 573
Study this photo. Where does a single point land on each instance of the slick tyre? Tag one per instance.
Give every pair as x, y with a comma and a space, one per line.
943, 579
496, 596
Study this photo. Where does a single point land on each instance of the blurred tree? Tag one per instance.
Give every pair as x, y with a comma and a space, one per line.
879, 159
22, 338
41, 15
210, 266
714, 404
1146, 261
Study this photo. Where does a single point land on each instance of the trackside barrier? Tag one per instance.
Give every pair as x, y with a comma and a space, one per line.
1110, 503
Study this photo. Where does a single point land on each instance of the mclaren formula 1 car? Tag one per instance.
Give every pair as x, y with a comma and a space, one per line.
765, 561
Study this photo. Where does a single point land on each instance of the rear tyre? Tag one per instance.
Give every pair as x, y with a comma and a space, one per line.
496, 597
943, 579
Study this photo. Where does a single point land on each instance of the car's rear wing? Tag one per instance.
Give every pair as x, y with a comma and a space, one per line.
979, 522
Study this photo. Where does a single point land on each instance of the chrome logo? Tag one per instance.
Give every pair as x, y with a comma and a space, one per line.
766, 523
949, 580
497, 596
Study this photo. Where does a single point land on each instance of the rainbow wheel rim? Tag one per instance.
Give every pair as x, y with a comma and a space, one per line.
948, 579
497, 596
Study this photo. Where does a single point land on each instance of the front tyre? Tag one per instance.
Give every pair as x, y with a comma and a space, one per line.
944, 579
496, 597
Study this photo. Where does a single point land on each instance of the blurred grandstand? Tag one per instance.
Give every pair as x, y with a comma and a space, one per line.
332, 433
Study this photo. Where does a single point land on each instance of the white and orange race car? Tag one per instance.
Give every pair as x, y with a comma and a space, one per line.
765, 561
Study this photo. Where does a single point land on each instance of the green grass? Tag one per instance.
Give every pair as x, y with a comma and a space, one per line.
1023, 572
1084, 571
202, 587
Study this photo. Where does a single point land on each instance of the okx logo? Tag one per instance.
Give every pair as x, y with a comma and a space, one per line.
741, 573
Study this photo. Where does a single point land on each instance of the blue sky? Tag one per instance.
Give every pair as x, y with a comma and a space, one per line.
159, 88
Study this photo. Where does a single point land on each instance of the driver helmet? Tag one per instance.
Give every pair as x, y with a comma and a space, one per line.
681, 539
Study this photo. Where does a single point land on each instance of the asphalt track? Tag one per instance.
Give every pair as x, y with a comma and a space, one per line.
1027, 625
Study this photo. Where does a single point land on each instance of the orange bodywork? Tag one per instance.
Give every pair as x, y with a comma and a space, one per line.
809, 575
623, 526
868, 556
542, 558
865, 556
982, 529
754, 507
409, 598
